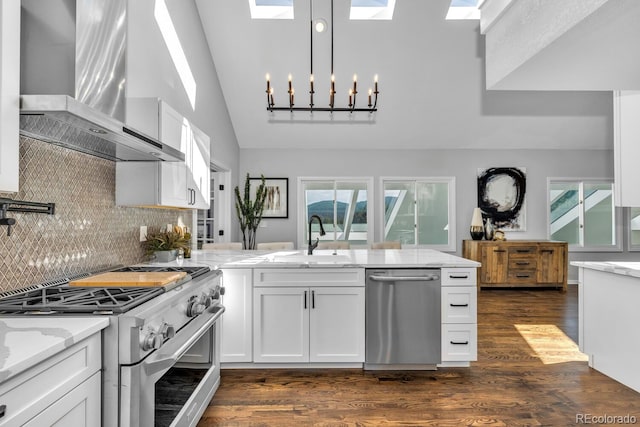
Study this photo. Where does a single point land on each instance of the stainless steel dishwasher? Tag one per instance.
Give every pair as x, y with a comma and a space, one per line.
403, 324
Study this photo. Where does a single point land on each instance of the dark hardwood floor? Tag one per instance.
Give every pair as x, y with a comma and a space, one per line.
529, 373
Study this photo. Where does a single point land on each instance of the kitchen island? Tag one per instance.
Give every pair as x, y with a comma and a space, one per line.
608, 295
290, 309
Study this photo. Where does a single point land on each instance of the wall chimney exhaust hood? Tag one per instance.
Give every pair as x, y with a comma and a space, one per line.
72, 80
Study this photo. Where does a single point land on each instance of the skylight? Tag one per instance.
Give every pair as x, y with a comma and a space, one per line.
464, 9
271, 9
372, 9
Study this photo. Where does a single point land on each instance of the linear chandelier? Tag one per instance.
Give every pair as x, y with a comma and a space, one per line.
372, 104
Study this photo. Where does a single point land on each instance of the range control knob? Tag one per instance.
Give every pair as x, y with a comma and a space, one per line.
167, 331
195, 307
151, 341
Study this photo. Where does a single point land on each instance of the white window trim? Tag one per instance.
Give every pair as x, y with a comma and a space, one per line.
302, 234
617, 212
451, 180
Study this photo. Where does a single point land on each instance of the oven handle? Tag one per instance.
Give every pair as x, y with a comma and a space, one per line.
166, 361
404, 278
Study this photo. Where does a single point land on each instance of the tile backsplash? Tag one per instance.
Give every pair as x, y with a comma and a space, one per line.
87, 232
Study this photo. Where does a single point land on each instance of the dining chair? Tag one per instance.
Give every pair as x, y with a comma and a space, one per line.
386, 245
336, 244
274, 245
221, 246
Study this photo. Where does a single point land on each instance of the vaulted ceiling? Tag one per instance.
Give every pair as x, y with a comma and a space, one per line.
431, 80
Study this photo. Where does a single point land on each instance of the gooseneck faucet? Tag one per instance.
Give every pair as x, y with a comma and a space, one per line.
313, 245
4, 207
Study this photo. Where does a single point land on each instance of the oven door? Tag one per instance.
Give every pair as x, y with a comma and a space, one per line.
174, 385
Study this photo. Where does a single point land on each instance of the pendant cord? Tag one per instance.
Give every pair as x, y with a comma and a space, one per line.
311, 32
331, 37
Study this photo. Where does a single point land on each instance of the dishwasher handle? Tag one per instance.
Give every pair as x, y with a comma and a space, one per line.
430, 278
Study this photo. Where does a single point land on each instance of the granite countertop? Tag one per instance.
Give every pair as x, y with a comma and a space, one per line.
27, 341
622, 267
321, 258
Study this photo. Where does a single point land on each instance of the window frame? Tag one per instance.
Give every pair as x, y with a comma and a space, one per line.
618, 217
302, 208
451, 181
627, 221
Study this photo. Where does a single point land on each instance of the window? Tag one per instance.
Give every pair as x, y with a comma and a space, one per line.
420, 212
634, 229
343, 206
582, 213
271, 9
372, 9
463, 9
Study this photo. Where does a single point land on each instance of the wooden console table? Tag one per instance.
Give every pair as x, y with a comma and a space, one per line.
519, 263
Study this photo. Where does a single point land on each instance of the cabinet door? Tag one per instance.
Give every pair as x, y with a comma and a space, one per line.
337, 324
80, 407
9, 93
174, 128
173, 184
494, 264
626, 134
551, 260
237, 319
199, 159
281, 324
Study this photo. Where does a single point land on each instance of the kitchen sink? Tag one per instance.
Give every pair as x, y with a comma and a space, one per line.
313, 259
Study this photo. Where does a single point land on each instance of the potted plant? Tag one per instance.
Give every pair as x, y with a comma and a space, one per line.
164, 245
250, 211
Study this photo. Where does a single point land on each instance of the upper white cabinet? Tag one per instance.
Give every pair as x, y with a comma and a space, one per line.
9, 93
172, 184
626, 147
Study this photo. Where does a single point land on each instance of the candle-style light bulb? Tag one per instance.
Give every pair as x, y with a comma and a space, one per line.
369, 97
271, 96
355, 81
375, 81
290, 81
350, 96
311, 82
268, 82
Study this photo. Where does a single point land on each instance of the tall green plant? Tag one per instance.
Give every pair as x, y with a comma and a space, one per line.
250, 211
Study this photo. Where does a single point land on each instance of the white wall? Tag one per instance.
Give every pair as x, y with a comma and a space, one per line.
462, 164
152, 71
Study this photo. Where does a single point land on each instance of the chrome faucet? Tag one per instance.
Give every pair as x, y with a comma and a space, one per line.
313, 245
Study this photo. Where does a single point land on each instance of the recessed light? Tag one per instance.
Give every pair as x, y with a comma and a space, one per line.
320, 25
100, 131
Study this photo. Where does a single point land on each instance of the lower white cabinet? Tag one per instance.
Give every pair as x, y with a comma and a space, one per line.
459, 310
63, 390
236, 339
294, 323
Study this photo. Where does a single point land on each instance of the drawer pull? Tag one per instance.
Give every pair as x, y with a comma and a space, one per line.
459, 342
522, 263
305, 300
522, 276
3, 408
461, 276
523, 251
499, 250
459, 305
549, 251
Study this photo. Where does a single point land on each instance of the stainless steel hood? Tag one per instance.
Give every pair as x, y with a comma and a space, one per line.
61, 120
73, 80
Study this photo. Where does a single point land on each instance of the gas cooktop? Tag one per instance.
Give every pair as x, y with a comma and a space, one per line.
61, 299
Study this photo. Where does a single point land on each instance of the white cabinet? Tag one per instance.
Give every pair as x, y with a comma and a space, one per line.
9, 94
626, 147
308, 315
64, 389
173, 184
237, 320
459, 301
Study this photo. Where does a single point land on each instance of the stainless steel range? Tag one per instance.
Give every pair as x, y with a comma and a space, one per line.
161, 350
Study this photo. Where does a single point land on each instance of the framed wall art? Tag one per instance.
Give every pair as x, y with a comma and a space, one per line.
501, 197
276, 204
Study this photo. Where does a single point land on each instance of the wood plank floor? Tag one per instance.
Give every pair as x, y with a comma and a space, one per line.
529, 373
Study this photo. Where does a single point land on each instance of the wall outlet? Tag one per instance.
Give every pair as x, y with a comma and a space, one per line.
143, 233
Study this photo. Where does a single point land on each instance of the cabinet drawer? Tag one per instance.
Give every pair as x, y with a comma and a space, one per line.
522, 251
459, 304
524, 263
37, 388
459, 342
308, 277
458, 276
522, 276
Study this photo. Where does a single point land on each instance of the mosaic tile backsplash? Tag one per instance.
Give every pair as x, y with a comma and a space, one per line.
87, 232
